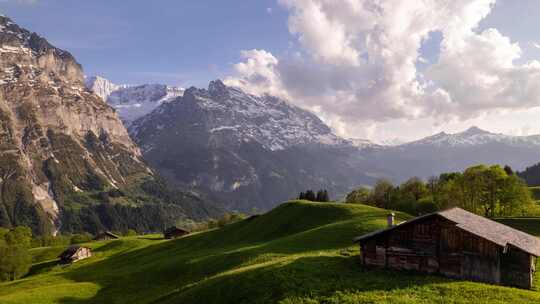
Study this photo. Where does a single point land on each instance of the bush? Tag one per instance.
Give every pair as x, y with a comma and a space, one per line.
131, 232
15, 258
81, 238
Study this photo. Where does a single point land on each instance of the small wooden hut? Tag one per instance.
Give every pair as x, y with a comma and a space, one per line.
457, 244
74, 254
105, 236
174, 232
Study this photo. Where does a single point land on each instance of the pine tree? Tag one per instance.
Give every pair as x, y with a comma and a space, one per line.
310, 196
302, 196
325, 196
320, 196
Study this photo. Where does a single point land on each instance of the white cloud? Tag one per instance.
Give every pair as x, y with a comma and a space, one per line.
358, 62
258, 74
535, 44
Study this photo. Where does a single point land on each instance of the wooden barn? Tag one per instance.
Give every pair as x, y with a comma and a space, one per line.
105, 236
457, 244
74, 254
174, 232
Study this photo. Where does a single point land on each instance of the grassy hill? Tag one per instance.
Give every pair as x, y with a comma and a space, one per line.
298, 253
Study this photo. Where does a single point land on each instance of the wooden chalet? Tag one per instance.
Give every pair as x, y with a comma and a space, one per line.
105, 236
174, 232
454, 243
74, 254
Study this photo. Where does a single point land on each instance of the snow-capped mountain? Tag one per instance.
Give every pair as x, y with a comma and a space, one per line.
475, 136
445, 152
102, 87
249, 151
255, 151
268, 120
132, 102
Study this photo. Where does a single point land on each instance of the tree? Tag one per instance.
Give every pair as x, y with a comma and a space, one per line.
15, 258
361, 195
382, 193
131, 232
81, 238
414, 188
310, 196
322, 196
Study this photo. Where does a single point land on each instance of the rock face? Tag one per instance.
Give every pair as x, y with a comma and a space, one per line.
132, 102
62, 148
247, 151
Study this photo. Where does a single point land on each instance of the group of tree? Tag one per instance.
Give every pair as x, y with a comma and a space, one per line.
310, 195
490, 191
15, 258
61, 239
218, 222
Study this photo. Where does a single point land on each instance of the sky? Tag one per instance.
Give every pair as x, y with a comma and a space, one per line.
389, 71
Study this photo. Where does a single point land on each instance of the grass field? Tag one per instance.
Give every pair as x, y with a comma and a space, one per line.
298, 253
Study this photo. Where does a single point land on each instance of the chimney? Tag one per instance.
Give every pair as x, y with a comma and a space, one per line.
390, 219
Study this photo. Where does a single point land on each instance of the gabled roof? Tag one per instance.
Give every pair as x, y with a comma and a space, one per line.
497, 233
68, 253
107, 233
175, 229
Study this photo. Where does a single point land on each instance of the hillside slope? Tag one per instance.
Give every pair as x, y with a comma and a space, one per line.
298, 253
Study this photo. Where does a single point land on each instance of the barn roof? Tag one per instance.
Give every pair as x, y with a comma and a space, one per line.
175, 229
497, 233
106, 233
68, 253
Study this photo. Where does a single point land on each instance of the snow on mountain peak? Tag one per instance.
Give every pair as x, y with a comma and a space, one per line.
232, 113
132, 102
102, 86
475, 136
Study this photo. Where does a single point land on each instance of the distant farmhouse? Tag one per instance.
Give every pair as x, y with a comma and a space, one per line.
174, 232
457, 244
104, 236
74, 254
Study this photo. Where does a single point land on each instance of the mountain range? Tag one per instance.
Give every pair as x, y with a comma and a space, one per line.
251, 151
247, 151
67, 162
85, 154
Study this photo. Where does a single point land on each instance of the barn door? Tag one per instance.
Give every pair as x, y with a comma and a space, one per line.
449, 257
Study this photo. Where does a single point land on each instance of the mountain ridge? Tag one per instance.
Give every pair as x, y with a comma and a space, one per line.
132, 101
67, 163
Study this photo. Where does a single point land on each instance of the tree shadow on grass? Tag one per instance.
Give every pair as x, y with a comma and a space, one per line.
313, 277
42, 267
212, 281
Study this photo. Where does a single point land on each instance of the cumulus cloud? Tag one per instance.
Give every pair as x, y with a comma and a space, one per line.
358, 63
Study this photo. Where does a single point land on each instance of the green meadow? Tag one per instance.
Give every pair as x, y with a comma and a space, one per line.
298, 253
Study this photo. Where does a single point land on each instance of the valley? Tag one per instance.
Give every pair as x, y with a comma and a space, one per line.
300, 252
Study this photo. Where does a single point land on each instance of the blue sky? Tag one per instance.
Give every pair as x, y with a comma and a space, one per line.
366, 73
166, 41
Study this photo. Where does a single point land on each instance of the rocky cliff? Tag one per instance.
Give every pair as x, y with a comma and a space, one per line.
62, 148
